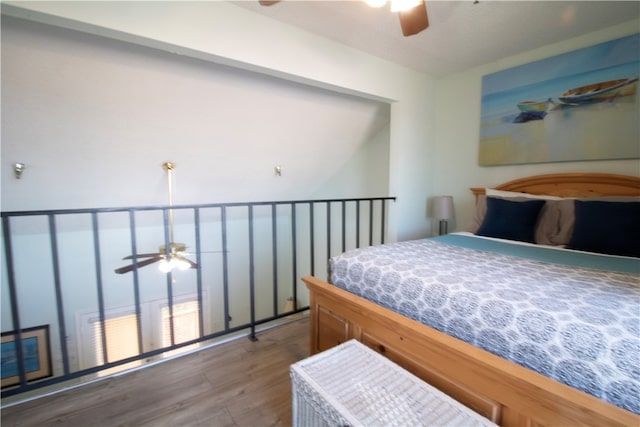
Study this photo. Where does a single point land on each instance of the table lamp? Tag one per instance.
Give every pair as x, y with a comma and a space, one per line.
443, 212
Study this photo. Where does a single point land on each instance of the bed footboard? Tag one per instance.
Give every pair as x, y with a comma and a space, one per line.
504, 392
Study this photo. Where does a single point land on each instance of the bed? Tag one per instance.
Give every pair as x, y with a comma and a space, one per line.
499, 374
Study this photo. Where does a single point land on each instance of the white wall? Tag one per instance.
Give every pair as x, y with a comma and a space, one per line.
362, 174
223, 33
458, 130
94, 119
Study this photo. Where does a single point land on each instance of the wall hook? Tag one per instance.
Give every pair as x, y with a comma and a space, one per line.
18, 168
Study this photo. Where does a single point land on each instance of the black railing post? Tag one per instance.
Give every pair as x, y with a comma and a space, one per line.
328, 229
370, 222
344, 225
274, 255
252, 284
294, 260
167, 215
225, 267
99, 290
382, 220
136, 282
13, 296
358, 224
58, 288
196, 220
312, 243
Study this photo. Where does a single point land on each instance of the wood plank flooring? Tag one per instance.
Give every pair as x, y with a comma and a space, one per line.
239, 383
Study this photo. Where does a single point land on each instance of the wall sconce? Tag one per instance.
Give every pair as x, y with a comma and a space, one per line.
18, 168
443, 211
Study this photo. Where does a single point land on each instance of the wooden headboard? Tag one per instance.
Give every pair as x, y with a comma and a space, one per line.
573, 185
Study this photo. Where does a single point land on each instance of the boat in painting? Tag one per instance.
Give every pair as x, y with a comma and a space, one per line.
532, 110
602, 91
533, 106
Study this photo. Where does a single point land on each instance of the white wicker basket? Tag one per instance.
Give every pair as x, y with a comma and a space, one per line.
352, 385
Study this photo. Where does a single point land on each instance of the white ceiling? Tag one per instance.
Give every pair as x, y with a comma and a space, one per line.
461, 34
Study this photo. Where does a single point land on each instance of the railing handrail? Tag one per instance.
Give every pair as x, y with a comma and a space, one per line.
186, 206
318, 240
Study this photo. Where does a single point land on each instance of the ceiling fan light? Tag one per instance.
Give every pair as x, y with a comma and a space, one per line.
166, 266
376, 3
404, 5
182, 264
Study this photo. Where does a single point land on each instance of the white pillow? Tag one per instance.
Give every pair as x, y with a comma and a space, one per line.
502, 193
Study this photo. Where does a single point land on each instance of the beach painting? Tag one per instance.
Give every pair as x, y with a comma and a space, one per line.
578, 106
36, 355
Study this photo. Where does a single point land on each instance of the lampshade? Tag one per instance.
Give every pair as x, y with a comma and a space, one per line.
443, 208
396, 5
168, 265
376, 3
403, 5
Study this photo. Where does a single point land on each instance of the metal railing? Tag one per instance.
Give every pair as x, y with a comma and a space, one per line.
46, 252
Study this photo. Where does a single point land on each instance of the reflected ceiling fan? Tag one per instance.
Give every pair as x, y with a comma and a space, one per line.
412, 13
171, 258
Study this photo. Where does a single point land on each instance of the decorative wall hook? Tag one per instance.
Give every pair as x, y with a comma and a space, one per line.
18, 168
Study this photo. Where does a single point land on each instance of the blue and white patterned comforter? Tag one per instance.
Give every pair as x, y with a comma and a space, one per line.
577, 325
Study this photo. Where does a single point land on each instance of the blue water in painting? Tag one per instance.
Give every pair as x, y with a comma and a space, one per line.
501, 107
10, 360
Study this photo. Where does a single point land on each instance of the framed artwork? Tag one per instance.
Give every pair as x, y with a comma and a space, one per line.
581, 105
36, 354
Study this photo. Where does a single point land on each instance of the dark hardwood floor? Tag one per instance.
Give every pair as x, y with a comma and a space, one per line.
239, 383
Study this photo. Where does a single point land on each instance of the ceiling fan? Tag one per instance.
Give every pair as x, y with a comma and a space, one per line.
169, 258
412, 13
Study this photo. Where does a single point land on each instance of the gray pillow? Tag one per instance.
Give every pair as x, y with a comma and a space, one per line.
555, 223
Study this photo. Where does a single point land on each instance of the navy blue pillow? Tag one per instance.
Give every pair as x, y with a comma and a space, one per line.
607, 227
507, 219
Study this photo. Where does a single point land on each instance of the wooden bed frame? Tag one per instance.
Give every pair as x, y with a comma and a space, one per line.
506, 393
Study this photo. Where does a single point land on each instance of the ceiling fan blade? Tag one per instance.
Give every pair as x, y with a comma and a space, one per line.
128, 268
154, 254
187, 260
268, 2
414, 20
